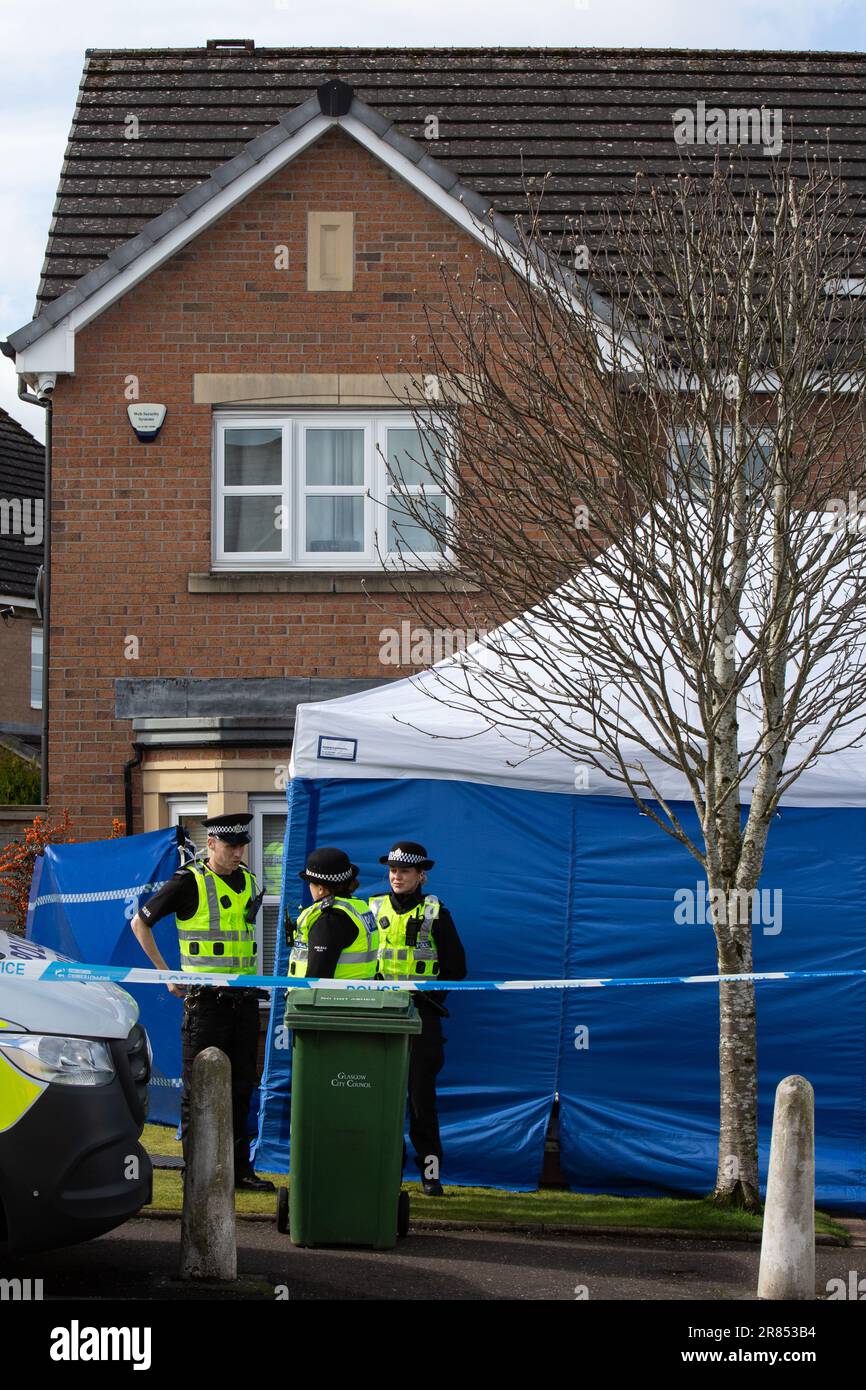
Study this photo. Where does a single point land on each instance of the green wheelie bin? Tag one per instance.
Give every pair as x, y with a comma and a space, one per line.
350, 1064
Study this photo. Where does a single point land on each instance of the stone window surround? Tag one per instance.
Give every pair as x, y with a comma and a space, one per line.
226, 784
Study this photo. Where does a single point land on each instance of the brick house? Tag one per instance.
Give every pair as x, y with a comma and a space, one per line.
22, 468
249, 237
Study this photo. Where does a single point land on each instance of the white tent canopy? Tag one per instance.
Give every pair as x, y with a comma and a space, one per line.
399, 731
437, 724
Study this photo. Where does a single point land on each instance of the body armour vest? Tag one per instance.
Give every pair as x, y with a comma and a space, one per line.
356, 962
217, 938
406, 945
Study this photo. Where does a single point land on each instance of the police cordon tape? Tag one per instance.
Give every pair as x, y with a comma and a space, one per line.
140, 975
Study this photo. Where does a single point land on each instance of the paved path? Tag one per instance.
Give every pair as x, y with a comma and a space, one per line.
139, 1261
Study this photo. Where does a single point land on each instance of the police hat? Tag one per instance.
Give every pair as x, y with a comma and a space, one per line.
329, 866
407, 854
232, 827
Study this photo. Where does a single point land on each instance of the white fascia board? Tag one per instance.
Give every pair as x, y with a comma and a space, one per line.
845, 286
55, 350
16, 601
681, 383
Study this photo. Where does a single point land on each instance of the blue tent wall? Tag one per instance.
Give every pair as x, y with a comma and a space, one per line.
544, 885
641, 1101
82, 900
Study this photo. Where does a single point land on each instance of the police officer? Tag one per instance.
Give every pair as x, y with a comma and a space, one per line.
215, 904
335, 937
418, 940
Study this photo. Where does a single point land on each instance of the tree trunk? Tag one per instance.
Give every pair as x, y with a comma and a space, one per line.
737, 1172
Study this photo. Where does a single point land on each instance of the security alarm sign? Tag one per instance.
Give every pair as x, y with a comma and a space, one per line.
146, 420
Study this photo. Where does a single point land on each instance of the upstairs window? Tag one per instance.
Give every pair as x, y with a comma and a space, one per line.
323, 491
688, 459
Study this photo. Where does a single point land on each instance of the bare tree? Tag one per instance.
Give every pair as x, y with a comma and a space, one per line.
653, 472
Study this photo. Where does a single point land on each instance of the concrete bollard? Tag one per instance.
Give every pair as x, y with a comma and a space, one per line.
788, 1240
208, 1248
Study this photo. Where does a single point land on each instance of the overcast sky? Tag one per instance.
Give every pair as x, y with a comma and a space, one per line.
43, 47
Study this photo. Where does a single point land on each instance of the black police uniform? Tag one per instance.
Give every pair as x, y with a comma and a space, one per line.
215, 1016
427, 1052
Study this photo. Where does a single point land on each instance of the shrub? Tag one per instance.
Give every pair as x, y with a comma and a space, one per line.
17, 860
20, 781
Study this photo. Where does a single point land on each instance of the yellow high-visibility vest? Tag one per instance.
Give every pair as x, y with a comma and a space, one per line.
406, 945
355, 962
217, 939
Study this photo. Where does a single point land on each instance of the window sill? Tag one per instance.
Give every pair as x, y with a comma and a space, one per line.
326, 582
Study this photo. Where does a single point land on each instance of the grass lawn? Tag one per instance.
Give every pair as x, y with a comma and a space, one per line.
548, 1207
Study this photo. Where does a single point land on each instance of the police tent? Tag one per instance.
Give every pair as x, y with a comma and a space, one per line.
554, 874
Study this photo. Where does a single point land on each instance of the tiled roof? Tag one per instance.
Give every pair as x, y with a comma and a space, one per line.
22, 475
591, 117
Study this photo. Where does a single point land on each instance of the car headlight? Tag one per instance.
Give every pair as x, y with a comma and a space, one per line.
61, 1061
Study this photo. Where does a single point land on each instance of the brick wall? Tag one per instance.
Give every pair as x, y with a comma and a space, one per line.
131, 521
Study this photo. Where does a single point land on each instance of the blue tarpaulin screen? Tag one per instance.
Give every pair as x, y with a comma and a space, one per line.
82, 900
544, 885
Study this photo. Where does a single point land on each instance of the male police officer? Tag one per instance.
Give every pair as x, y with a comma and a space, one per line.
418, 940
335, 937
215, 905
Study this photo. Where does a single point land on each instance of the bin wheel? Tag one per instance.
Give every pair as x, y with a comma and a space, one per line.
283, 1210
403, 1214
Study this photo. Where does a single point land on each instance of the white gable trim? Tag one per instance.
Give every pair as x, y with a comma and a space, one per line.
54, 350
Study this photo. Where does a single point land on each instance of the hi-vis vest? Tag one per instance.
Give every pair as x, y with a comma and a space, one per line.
355, 962
218, 939
406, 945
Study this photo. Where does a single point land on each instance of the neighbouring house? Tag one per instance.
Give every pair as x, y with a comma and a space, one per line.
22, 491
248, 238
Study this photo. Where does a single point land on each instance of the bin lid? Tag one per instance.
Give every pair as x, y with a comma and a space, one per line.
379, 1010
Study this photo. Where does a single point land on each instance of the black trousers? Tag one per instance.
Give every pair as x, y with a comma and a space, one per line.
426, 1059
227, 1019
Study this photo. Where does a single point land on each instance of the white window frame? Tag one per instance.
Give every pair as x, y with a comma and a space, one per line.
293, 490
185, 805
312, 559
37, 647
262, 806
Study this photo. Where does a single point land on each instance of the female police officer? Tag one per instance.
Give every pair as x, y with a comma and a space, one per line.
418, 940
335, 937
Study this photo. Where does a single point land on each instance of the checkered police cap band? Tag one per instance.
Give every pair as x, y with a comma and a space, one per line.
400, 856
328, 878
228, 829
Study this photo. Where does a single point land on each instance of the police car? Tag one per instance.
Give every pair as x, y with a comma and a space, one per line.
74, 1070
